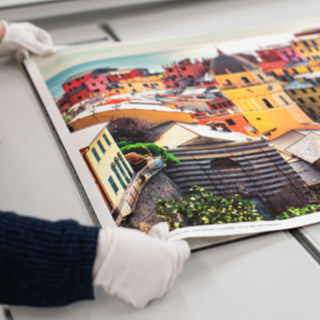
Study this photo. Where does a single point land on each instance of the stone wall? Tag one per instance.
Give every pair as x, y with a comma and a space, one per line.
144, 216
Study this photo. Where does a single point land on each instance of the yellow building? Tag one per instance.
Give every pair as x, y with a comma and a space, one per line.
112, 172
260, 97
143, 83
305, 91
308, 45
116, 90
291, 72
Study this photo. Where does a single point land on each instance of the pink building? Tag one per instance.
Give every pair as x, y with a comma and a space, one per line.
278, 57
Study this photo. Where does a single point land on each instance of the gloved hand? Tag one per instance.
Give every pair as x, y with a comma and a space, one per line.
25, 36
138, 267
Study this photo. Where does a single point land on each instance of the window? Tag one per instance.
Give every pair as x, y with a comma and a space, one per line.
284, 100
312, 99
183, 68
260, 77
125, 165
116, 172
295, 71
121, 170
146, 85
129, 84
292, 91
113, 185
101, 146
267, 103
95, 153
311, 110
228, 82
230, 122
300, 100
305, 43
245, 80
304, 90
274, 74
313, 90
106, 139
79, 97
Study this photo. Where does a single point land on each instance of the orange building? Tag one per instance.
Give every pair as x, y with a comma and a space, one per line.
233, 122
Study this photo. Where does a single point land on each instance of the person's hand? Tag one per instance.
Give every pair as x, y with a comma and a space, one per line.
138, 267
25, 37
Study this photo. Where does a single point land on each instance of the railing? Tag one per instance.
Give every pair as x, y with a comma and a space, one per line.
219, 113
245, 85
129, 199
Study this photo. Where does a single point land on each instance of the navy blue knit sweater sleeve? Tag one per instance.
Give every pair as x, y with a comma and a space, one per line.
45, 263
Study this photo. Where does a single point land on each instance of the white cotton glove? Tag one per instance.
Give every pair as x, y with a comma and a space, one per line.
138, 267
25, 37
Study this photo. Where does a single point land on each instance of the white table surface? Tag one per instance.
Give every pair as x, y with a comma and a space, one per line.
266, 277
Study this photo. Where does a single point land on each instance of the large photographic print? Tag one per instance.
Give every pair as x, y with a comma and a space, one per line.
196, 133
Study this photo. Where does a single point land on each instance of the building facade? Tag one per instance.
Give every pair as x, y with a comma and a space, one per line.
260, 97
110, 169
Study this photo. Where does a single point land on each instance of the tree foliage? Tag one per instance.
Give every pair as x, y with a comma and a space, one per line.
293, 212
133, 129
203, 207
150, 149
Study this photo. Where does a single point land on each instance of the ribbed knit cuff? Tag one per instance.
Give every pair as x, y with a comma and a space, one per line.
45, 263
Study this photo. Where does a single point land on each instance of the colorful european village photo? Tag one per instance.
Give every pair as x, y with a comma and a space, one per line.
230, 135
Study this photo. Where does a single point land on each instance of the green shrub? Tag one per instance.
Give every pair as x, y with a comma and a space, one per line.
203, 207
124, 143
146, 148
293, 212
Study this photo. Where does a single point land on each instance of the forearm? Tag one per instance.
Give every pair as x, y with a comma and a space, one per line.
45, 263
50, 264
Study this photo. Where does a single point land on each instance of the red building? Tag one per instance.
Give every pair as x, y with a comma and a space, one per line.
76, 81
116, 77
278, 57
79, 94
186, 69
184, 73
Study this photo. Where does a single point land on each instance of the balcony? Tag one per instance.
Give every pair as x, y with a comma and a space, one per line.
129, 199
